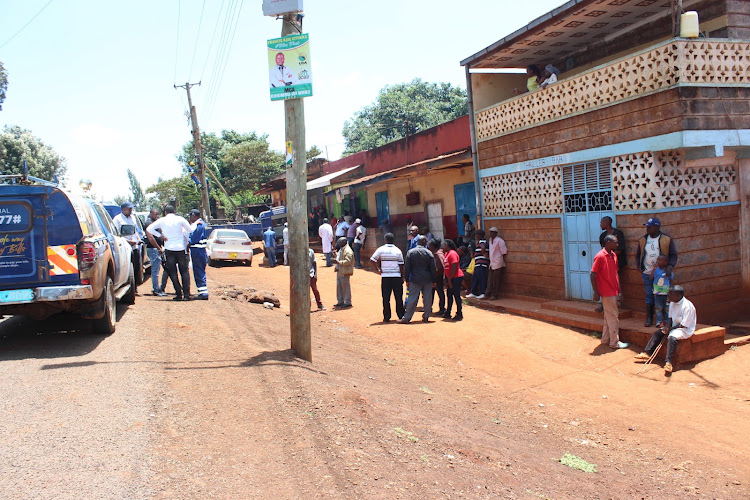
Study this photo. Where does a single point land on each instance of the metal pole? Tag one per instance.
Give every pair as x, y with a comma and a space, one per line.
296, 185
474, 158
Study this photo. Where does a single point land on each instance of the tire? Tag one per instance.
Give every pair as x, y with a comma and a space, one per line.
212, 262
138, 268
129, 298
106, 324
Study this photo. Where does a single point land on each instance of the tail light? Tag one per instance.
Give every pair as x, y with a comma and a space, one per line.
86, 255
219, 242
247, 242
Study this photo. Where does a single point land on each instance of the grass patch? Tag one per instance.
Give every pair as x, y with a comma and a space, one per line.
408, 435
575, 462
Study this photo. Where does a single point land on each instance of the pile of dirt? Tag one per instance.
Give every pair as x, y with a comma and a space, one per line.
247, 294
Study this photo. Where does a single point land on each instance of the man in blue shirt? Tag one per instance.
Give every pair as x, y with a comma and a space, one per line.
269, 242
198, 253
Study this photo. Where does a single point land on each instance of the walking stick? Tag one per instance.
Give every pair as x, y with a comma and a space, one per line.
653, 356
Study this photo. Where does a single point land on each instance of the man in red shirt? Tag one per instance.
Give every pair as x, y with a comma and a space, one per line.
605, 281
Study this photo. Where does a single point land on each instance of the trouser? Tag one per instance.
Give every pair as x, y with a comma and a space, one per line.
661, 308
329, 257
179, 259
454, 293
411, 305
396, 287
153, 256
271, 254
343, 290
357, 249
674, 337
611, 328
316, 293
286, 255
479, 280
648, 288
350, 241
200, 259
493, 282
440, 293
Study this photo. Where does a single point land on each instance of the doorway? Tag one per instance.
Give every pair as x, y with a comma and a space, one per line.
466, 203
587, 197
435, 218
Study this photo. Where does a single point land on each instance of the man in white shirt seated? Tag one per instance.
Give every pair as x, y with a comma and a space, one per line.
680, 326
175, 231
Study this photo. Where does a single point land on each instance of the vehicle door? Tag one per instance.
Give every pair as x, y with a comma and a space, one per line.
23, 236
121, 250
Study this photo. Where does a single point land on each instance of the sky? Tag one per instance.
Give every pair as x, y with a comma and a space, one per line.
95, 80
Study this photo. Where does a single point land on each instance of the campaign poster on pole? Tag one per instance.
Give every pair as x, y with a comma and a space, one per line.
289, 67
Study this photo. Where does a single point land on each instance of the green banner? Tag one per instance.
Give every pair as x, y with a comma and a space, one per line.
290, 73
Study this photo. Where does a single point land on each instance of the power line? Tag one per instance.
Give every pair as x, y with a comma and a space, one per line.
219, 52
197, 38
226, 60
177, 44
25, 25
213, 37
223, 55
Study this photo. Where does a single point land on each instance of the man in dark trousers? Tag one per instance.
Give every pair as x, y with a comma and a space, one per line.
198, 254
650, 246
419, 271
388, 262
175, 231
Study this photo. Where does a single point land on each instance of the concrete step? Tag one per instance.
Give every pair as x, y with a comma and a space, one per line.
587, 309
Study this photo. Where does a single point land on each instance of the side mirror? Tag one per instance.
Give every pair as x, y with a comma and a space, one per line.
127, 230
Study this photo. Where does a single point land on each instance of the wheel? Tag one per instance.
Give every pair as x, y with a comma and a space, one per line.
249, 262
138, 268
106, 324
129, 298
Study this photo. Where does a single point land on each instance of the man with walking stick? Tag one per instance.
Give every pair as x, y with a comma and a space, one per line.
680, 326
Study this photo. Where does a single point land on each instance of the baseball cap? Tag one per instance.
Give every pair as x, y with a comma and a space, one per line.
195, 212
286, 224
358, 221
653, 222
127, 204
493, 229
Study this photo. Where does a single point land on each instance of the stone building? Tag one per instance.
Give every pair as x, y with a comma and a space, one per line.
640, 124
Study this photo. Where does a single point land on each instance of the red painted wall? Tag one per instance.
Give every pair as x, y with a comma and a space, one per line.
446, 138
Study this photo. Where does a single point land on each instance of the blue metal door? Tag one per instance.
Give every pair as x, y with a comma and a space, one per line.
381, 204
587, 193
466, 203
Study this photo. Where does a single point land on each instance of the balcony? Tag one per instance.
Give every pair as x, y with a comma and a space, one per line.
677, 62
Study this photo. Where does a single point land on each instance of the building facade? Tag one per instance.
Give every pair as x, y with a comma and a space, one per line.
640, 124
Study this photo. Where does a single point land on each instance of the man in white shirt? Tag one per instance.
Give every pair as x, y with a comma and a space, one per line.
175, 231
126, 216
359, 241
391, 270
681, 326
498, 250
280, 75
285, 235
325, 231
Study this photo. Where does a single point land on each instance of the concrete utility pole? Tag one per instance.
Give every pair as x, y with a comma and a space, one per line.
205, 207
296, 185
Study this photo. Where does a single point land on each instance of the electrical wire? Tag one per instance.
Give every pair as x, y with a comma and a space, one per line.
219, 52
25, 25
226, 59
197, 39
177, 44
213, 37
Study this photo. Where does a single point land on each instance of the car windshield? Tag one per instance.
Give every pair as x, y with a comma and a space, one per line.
231, 233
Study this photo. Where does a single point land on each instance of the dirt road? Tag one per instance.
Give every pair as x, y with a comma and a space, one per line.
204, 399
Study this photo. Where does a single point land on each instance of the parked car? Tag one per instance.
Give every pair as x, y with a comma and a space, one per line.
229, 244
141, 261
60, 253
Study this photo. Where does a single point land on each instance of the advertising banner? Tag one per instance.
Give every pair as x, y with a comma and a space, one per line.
290, 73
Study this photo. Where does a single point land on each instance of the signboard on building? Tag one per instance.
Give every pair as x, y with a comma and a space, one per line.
290, 72
277, 7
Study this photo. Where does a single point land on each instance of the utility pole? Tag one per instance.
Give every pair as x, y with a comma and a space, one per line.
296, 185
205, 207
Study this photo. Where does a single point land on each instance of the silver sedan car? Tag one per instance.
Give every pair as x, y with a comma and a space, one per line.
229, 244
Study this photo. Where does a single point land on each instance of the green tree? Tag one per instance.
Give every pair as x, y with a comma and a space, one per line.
179, 191
138, 199
313, 152
3, 84
17, 144
419, 104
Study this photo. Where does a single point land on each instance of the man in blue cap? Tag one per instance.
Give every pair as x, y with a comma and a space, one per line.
650, 246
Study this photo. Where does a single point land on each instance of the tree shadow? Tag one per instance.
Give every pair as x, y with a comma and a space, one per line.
59, 336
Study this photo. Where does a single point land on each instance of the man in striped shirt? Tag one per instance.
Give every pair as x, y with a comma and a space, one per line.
481, 263
388, 261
